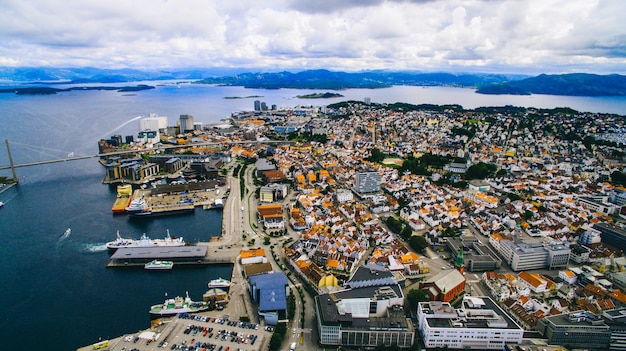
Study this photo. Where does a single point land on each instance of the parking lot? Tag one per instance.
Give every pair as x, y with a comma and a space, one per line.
206, 332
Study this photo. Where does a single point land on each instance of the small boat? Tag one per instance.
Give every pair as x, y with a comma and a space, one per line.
1, 204
159, 265
66, 234
219, 283
178, 305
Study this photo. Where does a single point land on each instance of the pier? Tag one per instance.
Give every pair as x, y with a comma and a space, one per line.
191, 255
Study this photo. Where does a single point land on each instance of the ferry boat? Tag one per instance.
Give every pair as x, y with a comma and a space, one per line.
124, 197
178, 305
159, 265
219, 283
144, 241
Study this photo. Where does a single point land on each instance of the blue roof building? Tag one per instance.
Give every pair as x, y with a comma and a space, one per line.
270, 291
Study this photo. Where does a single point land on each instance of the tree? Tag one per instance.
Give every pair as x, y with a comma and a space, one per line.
481, 170
528, 214
406, 232
418, 243
376, 156
416, 296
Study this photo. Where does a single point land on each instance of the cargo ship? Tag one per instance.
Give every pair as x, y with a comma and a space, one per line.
124, 197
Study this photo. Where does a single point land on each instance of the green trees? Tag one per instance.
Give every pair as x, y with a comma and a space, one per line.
418, 243
415, 296
376, 156
394, 224
619, 178
481, 170
277, 338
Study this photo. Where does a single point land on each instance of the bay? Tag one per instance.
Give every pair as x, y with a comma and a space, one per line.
58, 288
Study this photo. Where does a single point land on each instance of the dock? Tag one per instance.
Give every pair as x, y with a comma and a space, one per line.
182, 255
178, 200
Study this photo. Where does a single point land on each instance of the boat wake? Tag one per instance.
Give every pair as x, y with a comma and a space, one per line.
95, 247
65, 235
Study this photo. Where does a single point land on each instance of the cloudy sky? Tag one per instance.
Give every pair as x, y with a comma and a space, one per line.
510, 36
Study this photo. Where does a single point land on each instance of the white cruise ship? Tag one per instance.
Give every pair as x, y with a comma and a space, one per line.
144, 241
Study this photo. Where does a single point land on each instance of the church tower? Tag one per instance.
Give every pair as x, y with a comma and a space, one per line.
459, 263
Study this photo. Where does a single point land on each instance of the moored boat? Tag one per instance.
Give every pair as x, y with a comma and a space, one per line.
178, 305
144, 241
159, 265
219, 283
137, 205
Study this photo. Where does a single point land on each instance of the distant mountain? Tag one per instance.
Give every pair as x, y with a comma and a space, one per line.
324, 79
575, 84
97, 75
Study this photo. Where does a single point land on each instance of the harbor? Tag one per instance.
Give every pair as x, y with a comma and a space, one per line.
168, 199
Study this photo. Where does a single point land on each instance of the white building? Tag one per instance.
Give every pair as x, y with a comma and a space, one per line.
154, 122
478, 324
344, 195
528, 256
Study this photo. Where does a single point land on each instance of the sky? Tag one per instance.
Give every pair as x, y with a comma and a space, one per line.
492, 36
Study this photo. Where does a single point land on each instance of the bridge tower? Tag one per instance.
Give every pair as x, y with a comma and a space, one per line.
15, 178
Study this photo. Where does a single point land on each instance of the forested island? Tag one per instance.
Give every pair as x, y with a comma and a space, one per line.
319, 96
50, 91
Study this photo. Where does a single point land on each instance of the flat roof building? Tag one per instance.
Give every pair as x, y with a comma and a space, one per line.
527, 256
576, 330
478, 324
367, 314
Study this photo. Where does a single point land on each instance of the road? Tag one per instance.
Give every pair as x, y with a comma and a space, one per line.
239, 219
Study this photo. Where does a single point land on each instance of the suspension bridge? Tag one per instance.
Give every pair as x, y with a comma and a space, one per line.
71, 157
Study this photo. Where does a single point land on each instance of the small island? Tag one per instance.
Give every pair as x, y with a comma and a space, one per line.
243, 97
50, 91
319, 96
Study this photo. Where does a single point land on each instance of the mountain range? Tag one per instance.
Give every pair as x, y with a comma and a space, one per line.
575, 84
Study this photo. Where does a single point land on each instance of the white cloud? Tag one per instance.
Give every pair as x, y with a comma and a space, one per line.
533, 35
